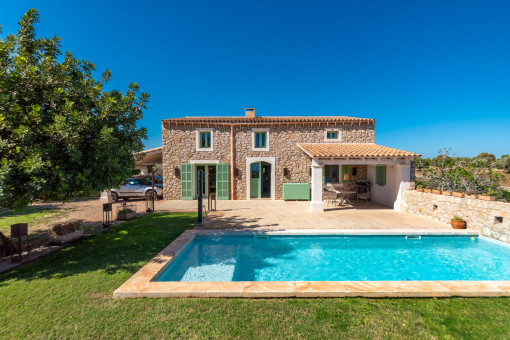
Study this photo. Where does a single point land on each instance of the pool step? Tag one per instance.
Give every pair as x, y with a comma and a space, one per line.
413, 237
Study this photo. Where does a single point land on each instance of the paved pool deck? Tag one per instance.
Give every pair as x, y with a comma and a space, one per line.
267, 217
283, 215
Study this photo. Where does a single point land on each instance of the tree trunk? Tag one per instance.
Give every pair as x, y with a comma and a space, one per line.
6, 246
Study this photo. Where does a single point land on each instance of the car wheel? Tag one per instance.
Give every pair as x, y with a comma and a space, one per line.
115, 197
149, 193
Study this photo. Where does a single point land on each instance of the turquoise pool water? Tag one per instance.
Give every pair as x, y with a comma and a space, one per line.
339, 258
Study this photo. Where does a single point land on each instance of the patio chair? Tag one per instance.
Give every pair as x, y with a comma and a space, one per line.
330, 187
365, 196
331, 197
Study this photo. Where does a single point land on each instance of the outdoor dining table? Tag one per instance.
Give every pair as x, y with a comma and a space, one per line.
345, 195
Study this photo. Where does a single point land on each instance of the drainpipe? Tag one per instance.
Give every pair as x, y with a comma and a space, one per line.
232, 164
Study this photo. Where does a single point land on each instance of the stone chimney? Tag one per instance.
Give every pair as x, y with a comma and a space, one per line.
249, 113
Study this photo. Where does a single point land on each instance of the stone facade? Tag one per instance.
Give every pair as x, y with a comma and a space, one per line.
489, 218
179, 147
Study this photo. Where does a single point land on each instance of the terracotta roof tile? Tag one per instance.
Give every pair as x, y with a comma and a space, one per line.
276, 119
352, 150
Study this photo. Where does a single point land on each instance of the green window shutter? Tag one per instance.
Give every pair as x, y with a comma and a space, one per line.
222, 181
186, 181
346, 169
380, 175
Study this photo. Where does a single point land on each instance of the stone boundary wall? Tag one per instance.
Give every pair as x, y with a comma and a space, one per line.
482, 216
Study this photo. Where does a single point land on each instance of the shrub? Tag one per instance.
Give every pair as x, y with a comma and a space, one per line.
125, 211
462, 175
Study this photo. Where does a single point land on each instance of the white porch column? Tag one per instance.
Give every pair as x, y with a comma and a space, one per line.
316, 204
403, 177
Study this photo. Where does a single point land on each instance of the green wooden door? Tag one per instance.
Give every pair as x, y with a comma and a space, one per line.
186, 181
222, 182
255, 180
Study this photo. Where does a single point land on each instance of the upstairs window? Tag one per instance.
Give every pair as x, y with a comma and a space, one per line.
260, 139
205, 140
332, 134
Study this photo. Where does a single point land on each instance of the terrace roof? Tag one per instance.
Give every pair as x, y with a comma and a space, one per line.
352, 150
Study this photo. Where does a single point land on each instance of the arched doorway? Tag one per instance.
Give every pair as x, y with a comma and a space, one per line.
260, 180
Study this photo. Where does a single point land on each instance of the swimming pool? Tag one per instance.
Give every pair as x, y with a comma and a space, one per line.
223, 258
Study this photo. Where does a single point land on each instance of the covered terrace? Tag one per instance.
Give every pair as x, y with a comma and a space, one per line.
388, 170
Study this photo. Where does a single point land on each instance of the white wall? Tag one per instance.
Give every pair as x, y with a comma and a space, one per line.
387, 194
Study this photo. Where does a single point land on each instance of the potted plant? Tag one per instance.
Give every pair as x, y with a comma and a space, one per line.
126, 214
458, 223
419, 188
67, 232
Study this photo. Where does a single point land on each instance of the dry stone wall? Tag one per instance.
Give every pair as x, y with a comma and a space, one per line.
179, 146
489, 218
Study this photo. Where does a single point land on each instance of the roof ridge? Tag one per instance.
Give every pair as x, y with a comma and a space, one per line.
241, 119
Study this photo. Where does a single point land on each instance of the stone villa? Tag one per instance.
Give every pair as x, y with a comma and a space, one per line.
252, 157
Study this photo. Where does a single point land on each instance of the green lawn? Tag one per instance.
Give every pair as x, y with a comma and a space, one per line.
69, 295
31, 215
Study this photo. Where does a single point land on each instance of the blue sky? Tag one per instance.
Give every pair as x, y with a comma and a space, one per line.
432, 73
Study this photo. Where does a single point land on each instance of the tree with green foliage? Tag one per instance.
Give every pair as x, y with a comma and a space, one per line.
503, 163
487, 156
421, 163
463, 175
61, 133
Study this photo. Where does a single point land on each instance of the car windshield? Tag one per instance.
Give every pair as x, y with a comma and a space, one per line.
144, 180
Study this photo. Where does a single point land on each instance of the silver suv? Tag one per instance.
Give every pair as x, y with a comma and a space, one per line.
137, 187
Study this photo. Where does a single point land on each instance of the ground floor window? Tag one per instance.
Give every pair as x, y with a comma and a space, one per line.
331, 173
